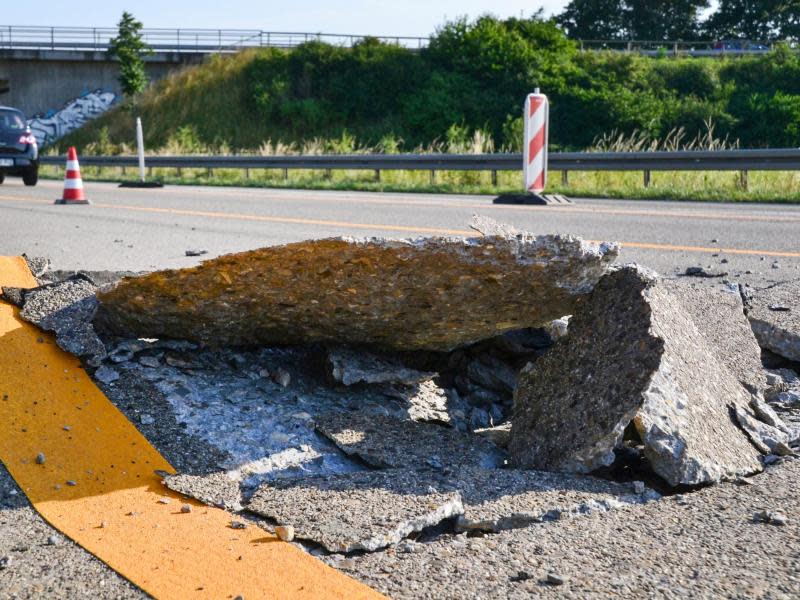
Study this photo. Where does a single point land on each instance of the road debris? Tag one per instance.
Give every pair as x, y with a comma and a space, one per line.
568, 420
329, 291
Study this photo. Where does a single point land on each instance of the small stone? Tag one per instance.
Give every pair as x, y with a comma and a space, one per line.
72, 483
147, 419
149, 361
52, 540
776, 265
779, 308
724, 261
285, 532
555, 579
639, 487
5, 562
106, 374
163, 500
346, 563
186, 508
40, 458
771, 518
520, 576
104, 524
67, 428
715, 241
237, 525
282, 377
196, 252
701, 272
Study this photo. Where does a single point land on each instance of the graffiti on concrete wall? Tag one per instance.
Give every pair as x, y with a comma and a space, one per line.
52, 125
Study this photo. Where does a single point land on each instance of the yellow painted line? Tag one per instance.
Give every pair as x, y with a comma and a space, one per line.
409, 229
49, 405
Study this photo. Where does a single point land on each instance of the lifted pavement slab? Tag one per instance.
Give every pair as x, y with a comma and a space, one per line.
417, 294
633, 355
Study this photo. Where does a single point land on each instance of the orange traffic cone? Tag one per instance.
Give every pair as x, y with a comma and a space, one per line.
73, 184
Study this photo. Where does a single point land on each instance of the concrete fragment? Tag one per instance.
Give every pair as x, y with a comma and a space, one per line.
427, 293
633, 355
499, 435
350, 366
385, 442
426, 401
356, 511
67, 308
492, 373
776, 330
719, 316
38, 265
763, 436
216, 489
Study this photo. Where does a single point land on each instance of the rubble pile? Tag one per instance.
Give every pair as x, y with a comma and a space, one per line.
362, 393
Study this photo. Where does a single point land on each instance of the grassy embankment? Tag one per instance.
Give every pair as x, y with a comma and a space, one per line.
210, 109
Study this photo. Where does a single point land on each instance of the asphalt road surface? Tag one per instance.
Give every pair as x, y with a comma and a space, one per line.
130, 229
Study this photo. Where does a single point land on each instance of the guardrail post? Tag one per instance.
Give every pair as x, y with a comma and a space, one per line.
328, 174
247, 174
564, 177
494, 178
743, 179
647, 178
433, 176
210, 172
675, 49
52, 38
179, 172
378, 175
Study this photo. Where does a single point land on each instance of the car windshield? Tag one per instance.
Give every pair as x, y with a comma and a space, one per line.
11, 119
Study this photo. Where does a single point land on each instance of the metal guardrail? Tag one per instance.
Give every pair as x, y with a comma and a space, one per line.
677, 48
787, 159
16, 37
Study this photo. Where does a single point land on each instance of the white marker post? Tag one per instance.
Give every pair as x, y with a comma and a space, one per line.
537, 122
140, 148
140, 151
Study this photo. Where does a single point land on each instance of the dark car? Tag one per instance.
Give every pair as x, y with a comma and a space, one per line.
19, 152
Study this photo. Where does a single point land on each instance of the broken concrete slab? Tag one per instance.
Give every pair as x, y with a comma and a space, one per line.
633, 354
373, 510
426, 293
215, 489
350, 366
499, 435
499, 499
774, 314
38, 265
365, 511
719, 314
66, 308
386, 442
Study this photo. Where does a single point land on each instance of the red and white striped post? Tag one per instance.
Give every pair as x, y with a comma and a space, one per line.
537, 121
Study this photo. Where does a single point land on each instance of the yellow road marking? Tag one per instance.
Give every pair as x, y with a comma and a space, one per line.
49, 405
404, 228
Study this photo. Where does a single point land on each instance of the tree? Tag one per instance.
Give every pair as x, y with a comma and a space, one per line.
658, 20
755, 20
593, 19
129, 48
632, 19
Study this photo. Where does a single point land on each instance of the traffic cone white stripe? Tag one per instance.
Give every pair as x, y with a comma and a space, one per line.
72, 165
73, 184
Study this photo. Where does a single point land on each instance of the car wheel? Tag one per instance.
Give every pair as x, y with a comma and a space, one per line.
2, 178
31, 177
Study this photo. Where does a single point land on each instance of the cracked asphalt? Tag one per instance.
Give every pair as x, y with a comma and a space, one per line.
703, 544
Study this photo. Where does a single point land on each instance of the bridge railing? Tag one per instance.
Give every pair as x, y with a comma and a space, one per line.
14, 37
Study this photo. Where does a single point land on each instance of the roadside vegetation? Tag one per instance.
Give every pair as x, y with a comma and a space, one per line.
463, 94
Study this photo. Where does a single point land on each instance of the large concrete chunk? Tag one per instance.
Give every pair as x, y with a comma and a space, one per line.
633, 355
357, 511
774, 314
430, 293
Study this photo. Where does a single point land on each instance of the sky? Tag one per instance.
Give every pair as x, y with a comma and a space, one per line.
391, 18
